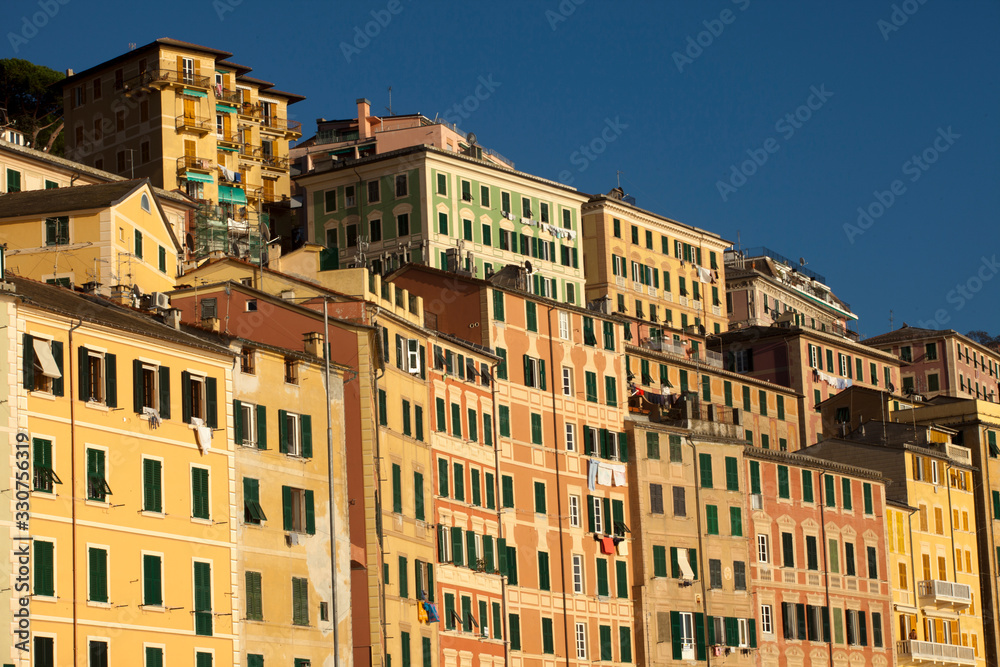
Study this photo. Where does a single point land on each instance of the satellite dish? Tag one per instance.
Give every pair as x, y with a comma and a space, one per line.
527, 266
471, 136
802, 261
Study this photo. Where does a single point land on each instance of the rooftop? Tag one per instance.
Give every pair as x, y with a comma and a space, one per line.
60, 200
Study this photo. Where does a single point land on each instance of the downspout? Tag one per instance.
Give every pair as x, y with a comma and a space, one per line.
701, 549
989, 492
954, 558
559, 514
378, 496
826, 557
330, 490
72, 474
499, 508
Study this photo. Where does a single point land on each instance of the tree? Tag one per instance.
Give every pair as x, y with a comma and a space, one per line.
32, 106
984, 338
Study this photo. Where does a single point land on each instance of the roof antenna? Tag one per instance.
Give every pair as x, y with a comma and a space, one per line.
619, 178
389, 108
890, 319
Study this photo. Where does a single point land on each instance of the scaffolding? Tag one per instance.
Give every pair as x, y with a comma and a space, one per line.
232, 229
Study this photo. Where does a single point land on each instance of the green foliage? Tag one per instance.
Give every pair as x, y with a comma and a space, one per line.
32, 106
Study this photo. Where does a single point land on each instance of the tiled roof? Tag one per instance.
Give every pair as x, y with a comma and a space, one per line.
60, 200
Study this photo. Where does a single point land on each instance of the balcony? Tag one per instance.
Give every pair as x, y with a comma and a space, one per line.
274, 162
162, 77
250, 152
199, 124
226, 96
913, 652
945, 592
232, 137
192, 163
281, 125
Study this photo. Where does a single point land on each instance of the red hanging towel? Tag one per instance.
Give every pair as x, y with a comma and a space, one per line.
607, 545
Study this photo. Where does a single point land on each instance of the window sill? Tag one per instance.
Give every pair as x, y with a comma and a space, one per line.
98, 405
152, 514
98, 605
39, 493
204, 522
93, 502
159, 608
44, 598
47, 395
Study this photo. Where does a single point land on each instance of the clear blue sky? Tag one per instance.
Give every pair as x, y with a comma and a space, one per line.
680, 118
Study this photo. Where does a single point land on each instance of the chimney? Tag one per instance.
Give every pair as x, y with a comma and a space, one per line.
172, 317
69, 73
314, 343
364, 110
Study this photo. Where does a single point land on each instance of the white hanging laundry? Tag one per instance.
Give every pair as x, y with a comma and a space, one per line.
604, 475
704, 275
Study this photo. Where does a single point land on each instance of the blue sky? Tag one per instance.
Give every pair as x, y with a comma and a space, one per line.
768, 122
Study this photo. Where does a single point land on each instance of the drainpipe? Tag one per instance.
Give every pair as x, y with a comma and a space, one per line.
954, 558
330, 488
555, 457
826, 557
378, 498
701, 546
499, 508
72, 474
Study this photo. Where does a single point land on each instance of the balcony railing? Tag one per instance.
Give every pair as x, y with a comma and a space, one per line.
187, 162
280, 124
250, 151
226, 95
165, 76
274, 161
196, 123
230, 137
945, 591
912, 652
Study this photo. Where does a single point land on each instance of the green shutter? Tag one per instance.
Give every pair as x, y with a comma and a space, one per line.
310, 512
754, 477
491, 499
98, 567
606, 648
807, 486
397, 492
457, 553
508, 491
602, 577
705, 467
418, 496
286, 506
459, 471
164, 377
621, 578
783, 485
732, 474
211, 403
111, 381
846, 500
403, 578
736, 521
203, 599
152, 487
831, 498
869, 508
239, 427
441, 426
443, 477
154, 658
152, 589
514, 632
137, 386
660, 561
261, 427
544, 582
199, 493
306, 438
675, 635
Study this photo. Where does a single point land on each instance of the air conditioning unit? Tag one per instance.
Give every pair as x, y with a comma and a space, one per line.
291, 539
160, 300
756, 501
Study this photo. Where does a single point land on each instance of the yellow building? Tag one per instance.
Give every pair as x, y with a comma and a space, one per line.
931, 529
283, 480
131, 522
114, 234
977, 423
23, 169
187, 118
8, 426
667, 276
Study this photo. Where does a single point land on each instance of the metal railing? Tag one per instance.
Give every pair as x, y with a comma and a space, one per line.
232, 96
280, 124
198, 123
230, 137
163, 75
186, 162
274, 161
934, 652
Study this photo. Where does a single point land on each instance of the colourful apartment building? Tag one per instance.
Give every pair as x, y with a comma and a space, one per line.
659, 373
942, 363
931, 533
813, 363
448, 210
694, 600
131, 526
115, 236
976, 424
471, 551
819, 569
189, 119
763, 287
668, 278
370, 134
562, 454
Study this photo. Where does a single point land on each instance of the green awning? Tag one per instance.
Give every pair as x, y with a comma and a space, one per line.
194, 93
226, 148
231, 195
225, 109
194, 176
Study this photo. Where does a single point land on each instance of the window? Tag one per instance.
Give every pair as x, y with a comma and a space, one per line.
13, 181
574, 511
676, 455
740, 575
570, 437
534, 372
300, 601
783, 485
715, 573
581, 641
97, 484
680, 501
97, 565
295, 434
766, 624
98, 377
845, 484
849, 568
567, 381
199, 399
252, 511
539, 497
611, 391
98, 652
203, 598
705, 466
763, 548
297, 510
44, 476
152, 485
531, 317
736, 521
656, 499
